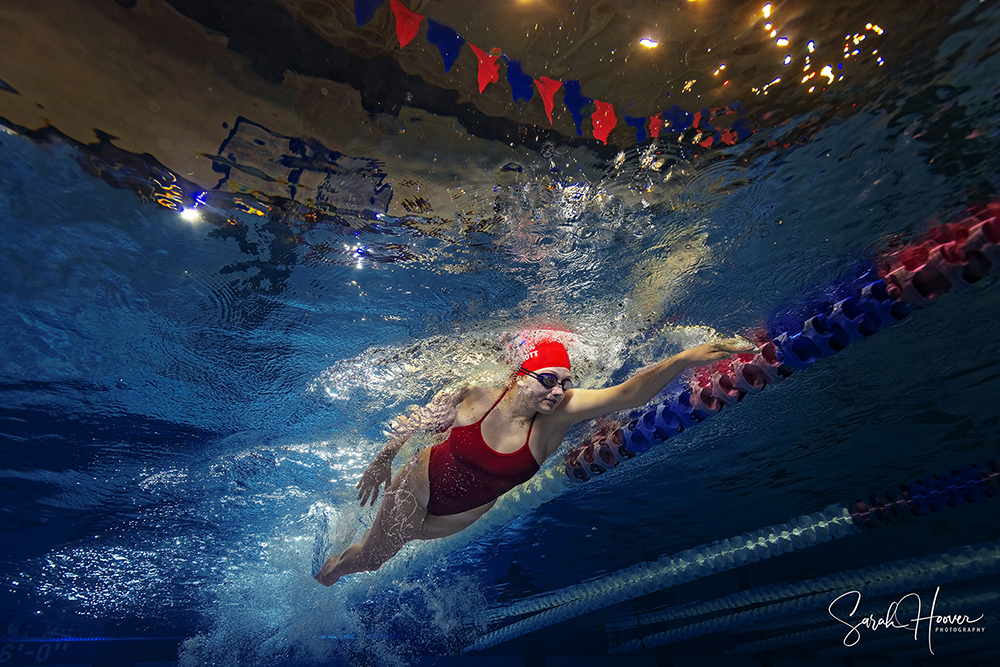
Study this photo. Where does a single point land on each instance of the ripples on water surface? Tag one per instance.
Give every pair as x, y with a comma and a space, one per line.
188, 404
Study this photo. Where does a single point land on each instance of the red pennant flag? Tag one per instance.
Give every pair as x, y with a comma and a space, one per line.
407, 22
604, 120
655, 125
489, 72
547, 88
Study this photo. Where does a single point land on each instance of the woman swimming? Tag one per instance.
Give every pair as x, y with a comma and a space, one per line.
498, 439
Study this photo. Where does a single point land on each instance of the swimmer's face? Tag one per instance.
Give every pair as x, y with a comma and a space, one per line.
547, 399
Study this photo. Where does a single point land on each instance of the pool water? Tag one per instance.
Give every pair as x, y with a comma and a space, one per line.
203, 345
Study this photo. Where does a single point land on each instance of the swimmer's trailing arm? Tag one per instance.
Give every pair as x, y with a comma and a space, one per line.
953, 256
435, 417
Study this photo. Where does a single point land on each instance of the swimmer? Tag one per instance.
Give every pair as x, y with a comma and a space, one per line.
498, 439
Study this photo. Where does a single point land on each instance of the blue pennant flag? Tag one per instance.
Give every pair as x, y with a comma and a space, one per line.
448, 41
575, 101
640, 127
364, 10
520, 83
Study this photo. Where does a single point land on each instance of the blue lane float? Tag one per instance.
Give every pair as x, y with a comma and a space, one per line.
958, 256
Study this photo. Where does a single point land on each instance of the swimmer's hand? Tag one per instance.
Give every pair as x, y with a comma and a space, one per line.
379, 472
709, 352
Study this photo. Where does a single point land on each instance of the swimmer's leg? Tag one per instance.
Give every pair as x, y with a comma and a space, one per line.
399, 520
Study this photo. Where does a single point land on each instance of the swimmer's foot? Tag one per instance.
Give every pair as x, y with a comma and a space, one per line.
348, 562
332, 536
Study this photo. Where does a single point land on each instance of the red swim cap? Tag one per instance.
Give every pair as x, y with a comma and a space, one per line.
547, 354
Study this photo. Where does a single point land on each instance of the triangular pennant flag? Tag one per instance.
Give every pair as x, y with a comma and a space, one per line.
655, 125
489, 72
407, 22
364, 10
520, 83
547, 88
448, 41
640, 127
575, 101
604, 119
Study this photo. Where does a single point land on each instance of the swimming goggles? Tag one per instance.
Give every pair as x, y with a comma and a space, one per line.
548, 380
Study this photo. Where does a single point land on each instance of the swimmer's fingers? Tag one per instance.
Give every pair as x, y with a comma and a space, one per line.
370, 495
365, 489
370, 486
706, 354
735, 345
368, 492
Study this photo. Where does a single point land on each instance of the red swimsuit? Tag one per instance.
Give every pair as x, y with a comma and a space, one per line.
464, 472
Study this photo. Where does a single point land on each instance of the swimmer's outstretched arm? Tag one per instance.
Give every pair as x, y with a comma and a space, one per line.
435, 417
584, 404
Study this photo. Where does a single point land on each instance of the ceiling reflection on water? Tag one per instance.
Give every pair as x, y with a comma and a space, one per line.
183, 74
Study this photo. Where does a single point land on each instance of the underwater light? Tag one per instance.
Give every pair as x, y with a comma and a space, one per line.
190, 214
649, 43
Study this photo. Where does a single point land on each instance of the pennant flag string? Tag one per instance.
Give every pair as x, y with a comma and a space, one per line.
407, 23
674, 120
520, 83
547, 88
489, 72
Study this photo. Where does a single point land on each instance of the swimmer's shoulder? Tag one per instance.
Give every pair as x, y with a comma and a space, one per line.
475, 395
475, 401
